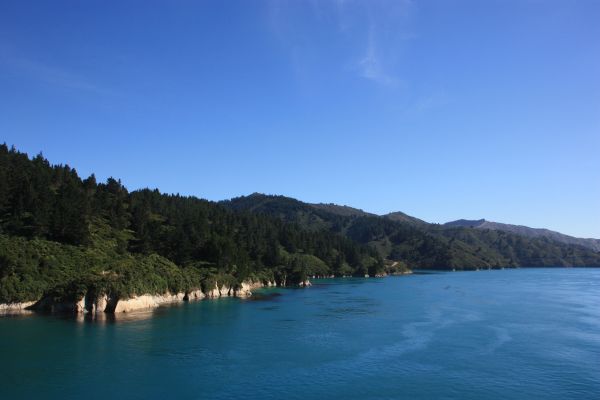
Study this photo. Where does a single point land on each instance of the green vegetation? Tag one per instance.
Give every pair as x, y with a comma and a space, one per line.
62, 236
398, 237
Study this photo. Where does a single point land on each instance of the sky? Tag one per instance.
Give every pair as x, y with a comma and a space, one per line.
440, 109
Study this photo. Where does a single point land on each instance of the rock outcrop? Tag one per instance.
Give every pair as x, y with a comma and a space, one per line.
51, 305
147, 301
93, 303
246, 288
15, 308
194, 295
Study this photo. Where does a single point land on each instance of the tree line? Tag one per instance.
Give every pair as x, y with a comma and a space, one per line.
43, 202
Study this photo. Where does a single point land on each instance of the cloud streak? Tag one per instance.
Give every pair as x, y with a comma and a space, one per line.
371, 65
49, 74
370, 34
386, 29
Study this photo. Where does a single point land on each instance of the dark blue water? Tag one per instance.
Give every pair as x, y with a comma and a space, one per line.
513, 334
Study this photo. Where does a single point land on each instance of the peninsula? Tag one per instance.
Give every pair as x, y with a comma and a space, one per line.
69, 244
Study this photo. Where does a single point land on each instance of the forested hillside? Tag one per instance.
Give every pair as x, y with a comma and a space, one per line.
398, 236
63, 235
482, 224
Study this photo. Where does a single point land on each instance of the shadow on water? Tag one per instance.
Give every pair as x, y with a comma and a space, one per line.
110, 319
263, 296
16, 314
346, 283
427, 272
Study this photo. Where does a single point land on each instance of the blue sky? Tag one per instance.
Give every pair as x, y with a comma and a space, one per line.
441, 109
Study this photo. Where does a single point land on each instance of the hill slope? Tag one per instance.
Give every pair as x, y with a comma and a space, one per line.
398, 236
399, 216
61, 236
593, 244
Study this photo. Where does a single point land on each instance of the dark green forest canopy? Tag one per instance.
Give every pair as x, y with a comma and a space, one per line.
400, 237
62, 236
59, 232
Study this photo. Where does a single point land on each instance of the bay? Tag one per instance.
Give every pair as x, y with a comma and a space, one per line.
504, 334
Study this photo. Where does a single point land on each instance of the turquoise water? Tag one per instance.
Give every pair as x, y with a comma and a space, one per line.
512, 334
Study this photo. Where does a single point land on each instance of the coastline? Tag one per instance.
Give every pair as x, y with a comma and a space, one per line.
106, 307
106, 304
101, 306
98, 306
90, 304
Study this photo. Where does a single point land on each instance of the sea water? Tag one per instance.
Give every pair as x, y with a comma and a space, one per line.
509, 334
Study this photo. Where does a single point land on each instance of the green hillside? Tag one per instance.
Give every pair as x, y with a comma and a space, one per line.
398, 236
61, 235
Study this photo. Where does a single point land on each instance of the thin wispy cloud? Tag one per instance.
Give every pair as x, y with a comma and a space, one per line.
386, 28
372, 31
371, 66
433, 100
48, 74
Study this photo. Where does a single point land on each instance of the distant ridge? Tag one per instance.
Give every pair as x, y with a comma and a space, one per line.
466, 223
345, 211
399, 216
593, 244
318, 216
418, 244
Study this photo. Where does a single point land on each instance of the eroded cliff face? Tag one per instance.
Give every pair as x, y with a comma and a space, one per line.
147, 301
194, 295
106, 303
152, 301
51, 305
15, 308
246, 288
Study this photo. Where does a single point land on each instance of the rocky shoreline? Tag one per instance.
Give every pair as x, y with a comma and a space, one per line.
105, 303
91, 304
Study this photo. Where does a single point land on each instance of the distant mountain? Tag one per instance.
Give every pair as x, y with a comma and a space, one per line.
398, 236
465, 223
593, 244
345, 211
309, 216
259, 202
401, 217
